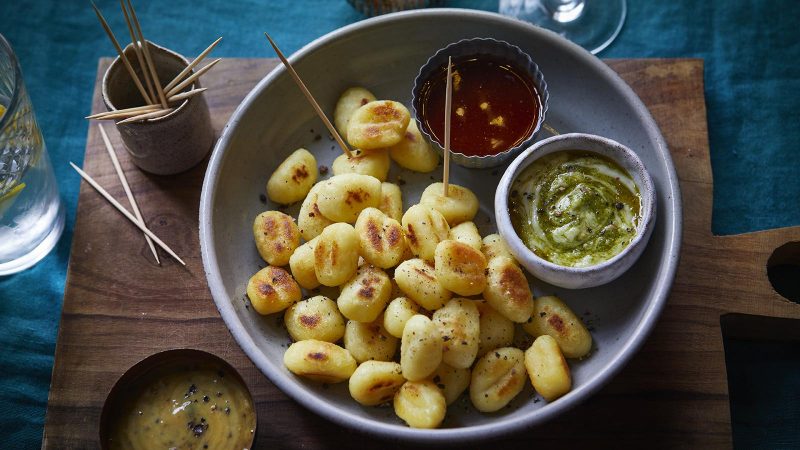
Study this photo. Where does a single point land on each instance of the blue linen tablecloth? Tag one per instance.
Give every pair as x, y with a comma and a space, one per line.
752, 78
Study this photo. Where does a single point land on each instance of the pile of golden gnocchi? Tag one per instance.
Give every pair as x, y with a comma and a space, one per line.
423, 280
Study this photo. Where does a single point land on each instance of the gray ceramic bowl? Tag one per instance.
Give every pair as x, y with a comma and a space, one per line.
578, 277
480, 46
384, 55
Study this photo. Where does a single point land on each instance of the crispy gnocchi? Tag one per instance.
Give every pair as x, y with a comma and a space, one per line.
276, 236
301, 263
547, 368
271, 290
497, 378
460, 268
366, 294
350, 100
424, 228
310, 220
494, 245
391, 201
420, 404
336, 254
293, 178
420, 348
507, 290
315, 318
551, 316
376, 382
319, 361
459, 325
397, 313
467, 233
460, 204
417, 279
378, 124
453, 382
341, 198
496, 330
369, 341
381, 239
413, 152
373, 163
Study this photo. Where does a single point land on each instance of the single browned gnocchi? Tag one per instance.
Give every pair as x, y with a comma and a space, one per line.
376, 382
391, 201
342, 197
460, 204
397, 313
413, 152
420, 348
378, 124
381, 239
494, 245
310, 220
551, 316
496, 330
459, 324
547, 368
314, 318
271, 290
319, 361
424, 228
293, 178
467, 233
373, 163
350, 100
369, 341
336, 254
421, 404
460, 268
452, 381
417, 279
497, 378
366, 294
276, 236
507, 290
301, 264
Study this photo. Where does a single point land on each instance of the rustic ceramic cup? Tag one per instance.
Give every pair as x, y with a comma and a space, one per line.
165, 145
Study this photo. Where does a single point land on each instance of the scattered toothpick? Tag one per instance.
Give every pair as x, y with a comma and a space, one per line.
310, 98
448, 105
125, 212
124, 181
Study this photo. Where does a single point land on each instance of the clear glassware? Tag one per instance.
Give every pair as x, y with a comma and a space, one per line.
31, 213
592, 24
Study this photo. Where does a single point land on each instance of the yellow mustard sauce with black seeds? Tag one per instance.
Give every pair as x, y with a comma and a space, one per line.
575, 208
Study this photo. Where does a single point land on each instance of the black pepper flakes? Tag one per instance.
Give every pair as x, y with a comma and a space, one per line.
323, 170
262, 198
192, 390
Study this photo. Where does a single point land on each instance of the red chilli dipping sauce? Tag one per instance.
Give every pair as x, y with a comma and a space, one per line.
495, 105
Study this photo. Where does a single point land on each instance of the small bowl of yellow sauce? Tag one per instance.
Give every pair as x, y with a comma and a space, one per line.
182, 399
576, 209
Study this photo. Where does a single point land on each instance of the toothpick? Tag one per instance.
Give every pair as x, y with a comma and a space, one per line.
185, 95
191, 66
134, 110
135, 44
124, 180
121, 54
193, 77
125, 212
147, 57
151, 115
448, 105
310, 98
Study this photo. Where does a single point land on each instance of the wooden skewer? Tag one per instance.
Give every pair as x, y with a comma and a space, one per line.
310, 98
193, 77
185, 95
147, 57
150, 115
137, 49
136, 109
125, 212
122, 56
191, 66
448, 105
113, 155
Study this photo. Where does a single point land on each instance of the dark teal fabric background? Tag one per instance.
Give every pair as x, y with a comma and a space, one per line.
752, 78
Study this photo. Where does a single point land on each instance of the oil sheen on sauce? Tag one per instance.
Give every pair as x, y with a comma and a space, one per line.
495, 105
201, 407
575, 208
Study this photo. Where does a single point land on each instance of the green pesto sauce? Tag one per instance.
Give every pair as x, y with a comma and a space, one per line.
575, 208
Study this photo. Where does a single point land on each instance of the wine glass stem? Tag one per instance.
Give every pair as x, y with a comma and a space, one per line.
563, 10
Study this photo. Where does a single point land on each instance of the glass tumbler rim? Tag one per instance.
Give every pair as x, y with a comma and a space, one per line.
5, 47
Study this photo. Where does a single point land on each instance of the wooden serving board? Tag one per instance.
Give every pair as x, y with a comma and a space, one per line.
120, 307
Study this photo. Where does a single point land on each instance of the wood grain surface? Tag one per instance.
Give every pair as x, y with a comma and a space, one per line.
120, 307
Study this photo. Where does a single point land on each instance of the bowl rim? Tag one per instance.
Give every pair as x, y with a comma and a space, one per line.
617, 152
481, 43
476, 433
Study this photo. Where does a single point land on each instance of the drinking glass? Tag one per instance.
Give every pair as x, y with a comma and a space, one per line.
592, 24
31, 213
